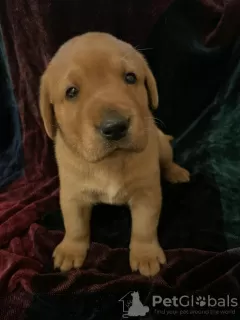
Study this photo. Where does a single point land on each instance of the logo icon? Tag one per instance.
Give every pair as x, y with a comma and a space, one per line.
200, 301
132, 305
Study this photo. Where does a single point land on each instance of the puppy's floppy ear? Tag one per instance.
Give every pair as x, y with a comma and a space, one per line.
46, 108
151, 87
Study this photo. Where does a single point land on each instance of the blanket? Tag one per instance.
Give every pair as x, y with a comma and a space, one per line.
193, 49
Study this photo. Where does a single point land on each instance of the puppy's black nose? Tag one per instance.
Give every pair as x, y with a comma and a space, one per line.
114, 127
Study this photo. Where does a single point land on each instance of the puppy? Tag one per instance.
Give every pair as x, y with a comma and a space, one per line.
95, 100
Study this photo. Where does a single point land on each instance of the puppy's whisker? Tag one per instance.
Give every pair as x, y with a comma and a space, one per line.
144, 49
159, 121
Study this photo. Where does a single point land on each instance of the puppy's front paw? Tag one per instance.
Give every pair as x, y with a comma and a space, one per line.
176, 174
146, 258
70, 254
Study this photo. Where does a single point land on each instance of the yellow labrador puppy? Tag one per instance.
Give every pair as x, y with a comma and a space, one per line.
94, 100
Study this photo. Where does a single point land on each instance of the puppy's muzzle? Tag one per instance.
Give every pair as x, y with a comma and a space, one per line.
114, 126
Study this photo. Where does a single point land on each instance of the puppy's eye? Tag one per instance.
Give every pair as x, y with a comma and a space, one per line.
130, 78
71, 92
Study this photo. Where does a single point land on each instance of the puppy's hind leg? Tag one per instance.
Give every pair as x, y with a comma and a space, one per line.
171, 171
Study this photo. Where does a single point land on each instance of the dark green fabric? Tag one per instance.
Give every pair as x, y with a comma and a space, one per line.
221, 142
199, 104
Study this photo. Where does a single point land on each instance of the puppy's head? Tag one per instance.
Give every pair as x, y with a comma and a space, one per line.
96, 92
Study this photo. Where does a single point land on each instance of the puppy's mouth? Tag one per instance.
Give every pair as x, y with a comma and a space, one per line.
124, 147
115, 135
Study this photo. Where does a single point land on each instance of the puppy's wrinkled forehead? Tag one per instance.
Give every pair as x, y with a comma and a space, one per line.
95, 54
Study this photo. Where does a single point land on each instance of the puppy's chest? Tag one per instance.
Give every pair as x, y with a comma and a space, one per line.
113, 193
107, 189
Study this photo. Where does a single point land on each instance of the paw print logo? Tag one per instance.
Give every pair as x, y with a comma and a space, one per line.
200, 301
